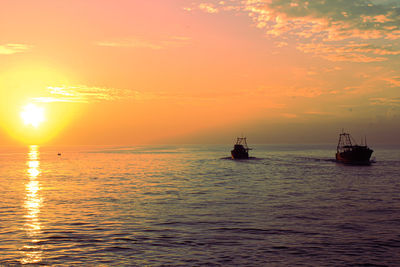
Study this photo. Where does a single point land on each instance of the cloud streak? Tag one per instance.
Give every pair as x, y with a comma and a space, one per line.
382, 101
173, 41
393, 81
350, 51
9, 49
85, 94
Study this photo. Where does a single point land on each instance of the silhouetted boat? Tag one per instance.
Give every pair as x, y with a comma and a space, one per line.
350, 153
240, 149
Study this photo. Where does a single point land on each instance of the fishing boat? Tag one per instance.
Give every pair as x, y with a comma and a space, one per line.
350, 153
240, 149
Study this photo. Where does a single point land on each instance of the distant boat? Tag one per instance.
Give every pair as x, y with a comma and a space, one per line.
240, 149
350, 153
58, 154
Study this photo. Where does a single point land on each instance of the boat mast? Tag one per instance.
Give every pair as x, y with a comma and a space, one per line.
345, 142
340, 139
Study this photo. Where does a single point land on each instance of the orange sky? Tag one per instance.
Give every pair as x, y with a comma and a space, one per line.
130, 71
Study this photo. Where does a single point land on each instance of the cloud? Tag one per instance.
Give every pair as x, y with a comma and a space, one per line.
393, 81
351, 51
328, 25
318, 113
382, 101
331, 20
308, 92
289, 115
85, 94
9, 49
209, 8
205, 7
281, 44
173, 41
214, 6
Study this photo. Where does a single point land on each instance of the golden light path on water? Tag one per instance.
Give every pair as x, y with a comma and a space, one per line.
33, 201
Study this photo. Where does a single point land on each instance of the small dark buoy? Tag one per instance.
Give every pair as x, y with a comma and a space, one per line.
59, 154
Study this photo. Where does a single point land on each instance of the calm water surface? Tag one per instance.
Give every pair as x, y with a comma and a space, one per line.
191, 206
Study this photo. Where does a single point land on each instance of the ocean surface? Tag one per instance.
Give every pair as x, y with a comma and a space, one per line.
194, 206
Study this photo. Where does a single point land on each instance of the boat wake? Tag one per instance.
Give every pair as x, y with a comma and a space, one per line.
317, 159
249, 158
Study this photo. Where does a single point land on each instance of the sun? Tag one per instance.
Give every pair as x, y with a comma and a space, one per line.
32, 115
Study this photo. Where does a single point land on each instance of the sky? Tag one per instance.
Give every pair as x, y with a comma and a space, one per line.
171, 71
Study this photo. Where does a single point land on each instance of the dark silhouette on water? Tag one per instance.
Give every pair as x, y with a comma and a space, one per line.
350, 153
240, 149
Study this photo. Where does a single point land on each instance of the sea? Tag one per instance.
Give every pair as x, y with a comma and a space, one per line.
192, 205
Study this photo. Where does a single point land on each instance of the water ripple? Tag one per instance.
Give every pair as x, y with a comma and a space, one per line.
194, 206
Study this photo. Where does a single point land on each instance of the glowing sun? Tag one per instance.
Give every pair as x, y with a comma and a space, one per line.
32, 115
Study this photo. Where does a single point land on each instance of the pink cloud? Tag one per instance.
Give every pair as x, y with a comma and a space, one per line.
209, 8
327, 23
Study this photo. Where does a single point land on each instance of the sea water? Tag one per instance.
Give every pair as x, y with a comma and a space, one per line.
194, 206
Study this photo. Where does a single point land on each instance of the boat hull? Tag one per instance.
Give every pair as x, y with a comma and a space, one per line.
239, 154
356, 157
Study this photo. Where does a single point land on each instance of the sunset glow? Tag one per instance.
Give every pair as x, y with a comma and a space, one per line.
199, 132
127, 72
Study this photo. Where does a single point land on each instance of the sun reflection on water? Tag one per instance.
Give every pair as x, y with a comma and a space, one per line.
32, 253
